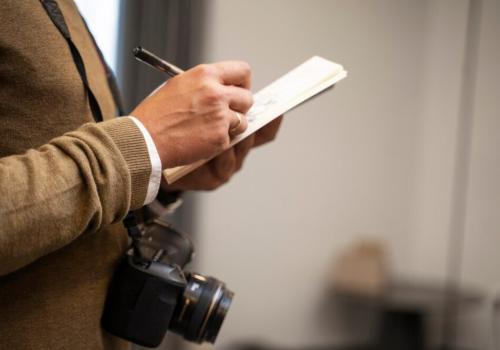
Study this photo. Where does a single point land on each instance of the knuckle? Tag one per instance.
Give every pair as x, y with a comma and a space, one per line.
205, 69
219, 117
212, 93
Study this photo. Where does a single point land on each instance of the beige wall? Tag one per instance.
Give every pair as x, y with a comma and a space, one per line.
374, 157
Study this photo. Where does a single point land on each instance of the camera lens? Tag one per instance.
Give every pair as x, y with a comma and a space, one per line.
204, 306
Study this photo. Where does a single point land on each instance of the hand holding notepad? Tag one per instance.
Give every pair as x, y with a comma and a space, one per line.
293, 88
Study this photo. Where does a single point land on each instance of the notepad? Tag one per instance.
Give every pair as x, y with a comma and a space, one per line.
295, 87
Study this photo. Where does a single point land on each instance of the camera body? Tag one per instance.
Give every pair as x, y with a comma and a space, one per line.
151, 293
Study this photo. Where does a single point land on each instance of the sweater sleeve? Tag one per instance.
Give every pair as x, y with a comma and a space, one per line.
76, 183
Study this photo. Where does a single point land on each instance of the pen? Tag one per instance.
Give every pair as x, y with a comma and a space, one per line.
156, 62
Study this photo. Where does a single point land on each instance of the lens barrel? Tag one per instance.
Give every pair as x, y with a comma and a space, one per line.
205, 303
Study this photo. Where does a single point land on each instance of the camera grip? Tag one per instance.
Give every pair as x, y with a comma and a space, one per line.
139, 306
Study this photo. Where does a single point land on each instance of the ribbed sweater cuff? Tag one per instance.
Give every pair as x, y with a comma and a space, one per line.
130, 141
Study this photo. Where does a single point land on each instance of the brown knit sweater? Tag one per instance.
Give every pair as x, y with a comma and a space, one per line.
65, 184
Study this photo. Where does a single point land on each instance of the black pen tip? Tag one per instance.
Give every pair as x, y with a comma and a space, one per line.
136, 50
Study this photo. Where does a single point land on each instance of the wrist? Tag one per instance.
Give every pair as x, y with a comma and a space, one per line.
154, 158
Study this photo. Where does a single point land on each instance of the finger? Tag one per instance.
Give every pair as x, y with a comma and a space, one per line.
238, 99
268, 132
201, 179
238, 124
234, 73
241, 150
224, 164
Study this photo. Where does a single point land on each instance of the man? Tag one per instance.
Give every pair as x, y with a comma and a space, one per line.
66, 182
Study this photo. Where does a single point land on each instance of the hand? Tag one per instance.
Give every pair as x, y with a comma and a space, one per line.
267, 133
192, 116
220, 169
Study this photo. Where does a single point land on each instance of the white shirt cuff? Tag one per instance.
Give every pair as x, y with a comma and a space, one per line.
154, 158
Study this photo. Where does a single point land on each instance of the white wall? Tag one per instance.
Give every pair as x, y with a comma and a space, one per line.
102, 19
374, 157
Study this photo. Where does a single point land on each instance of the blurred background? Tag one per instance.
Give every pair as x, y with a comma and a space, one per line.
373, 220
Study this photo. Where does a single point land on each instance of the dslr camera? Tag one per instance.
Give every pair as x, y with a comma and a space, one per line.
151, 293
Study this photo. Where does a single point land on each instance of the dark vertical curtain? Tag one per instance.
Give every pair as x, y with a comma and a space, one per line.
171, 29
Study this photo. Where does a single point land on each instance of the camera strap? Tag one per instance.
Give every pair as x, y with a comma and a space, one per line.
56, 16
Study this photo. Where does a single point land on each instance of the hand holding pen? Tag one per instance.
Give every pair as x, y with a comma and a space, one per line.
220, 169
194, 116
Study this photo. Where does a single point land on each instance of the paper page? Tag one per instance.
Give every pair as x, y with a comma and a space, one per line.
293, 88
